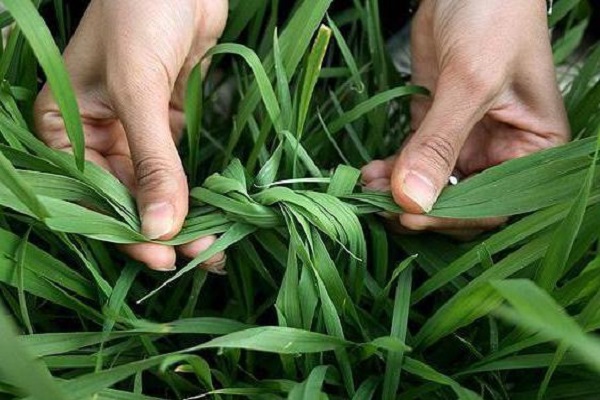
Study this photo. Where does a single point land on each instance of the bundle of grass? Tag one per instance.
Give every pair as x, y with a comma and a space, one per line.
320, 299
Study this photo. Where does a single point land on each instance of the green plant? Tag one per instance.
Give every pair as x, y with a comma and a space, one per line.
319, 297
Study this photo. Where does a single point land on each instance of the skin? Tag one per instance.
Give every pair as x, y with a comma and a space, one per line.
129, 62
488, 65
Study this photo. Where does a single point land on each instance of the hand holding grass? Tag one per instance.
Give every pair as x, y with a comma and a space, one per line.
488, 65
129, 62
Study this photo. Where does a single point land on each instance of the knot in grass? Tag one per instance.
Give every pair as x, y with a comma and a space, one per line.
224, 205
239, 207
331, 211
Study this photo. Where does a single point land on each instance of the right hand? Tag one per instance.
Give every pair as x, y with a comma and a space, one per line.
129, 62
488, 65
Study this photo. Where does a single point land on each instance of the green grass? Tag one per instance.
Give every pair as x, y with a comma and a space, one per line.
321, 300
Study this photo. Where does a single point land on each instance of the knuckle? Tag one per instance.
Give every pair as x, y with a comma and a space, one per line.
50, 128
119, 89
45, 110
477, 80
41, 102
558, 135
480, 79
138, 81
122, 90
154, 172
439, 151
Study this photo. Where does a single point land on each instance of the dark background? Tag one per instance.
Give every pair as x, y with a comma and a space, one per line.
393, 15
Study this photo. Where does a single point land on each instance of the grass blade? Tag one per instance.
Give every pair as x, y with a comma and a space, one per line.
311, 76
48, 55
535, 310
23, 369
20, 268
394, 363
193, 119
24, 193
554, 264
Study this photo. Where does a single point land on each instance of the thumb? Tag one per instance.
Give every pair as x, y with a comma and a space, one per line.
141, 100
426, 162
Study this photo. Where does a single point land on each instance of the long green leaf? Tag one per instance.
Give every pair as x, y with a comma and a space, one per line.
23, 369
48, 55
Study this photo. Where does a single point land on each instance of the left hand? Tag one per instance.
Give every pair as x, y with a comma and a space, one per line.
488, 65
129, 63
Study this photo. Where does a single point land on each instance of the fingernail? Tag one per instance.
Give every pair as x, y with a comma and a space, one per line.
158, 220
166, 269
217, 270
420, 190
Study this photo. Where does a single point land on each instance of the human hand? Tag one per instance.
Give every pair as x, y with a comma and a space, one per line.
488, 65
129, 62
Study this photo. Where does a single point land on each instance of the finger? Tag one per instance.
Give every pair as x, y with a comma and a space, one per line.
462, 235
141, 92
381, 185
378, 185
418, 222
214, 264
177, 124
193, 249
156, 256
428, 159
377, 169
